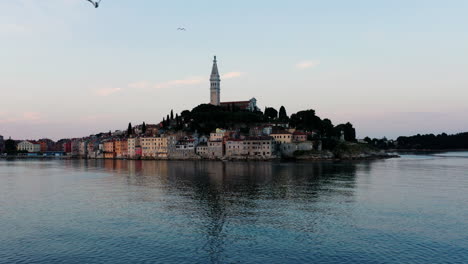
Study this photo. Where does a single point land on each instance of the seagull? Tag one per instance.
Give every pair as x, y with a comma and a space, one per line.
181, 29
95, 3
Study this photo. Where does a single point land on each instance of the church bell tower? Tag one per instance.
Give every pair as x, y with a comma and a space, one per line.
215, 82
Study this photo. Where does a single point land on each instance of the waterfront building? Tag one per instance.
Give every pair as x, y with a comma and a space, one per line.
133, 144
202, 149
93, 149
66, 147
75, 147
250, 147
109, 149
29, 146
83, 148
121, 148
282, 137
288, 149
184, 149
155, 147
215, 149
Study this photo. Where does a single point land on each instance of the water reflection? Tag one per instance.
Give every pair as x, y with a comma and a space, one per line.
217, 195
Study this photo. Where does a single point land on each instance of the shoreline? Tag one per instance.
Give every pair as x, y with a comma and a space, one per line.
424, 150
296, 159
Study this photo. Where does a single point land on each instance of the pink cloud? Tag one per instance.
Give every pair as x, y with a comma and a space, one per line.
231, 75
107, 91
307, 64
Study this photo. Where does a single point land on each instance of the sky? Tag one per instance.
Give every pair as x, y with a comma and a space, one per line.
391, 68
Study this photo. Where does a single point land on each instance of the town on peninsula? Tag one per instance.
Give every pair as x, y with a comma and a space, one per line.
232, 130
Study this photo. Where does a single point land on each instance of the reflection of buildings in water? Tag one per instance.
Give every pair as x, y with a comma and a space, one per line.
218, 194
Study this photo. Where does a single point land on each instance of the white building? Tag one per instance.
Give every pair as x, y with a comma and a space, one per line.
29, 147
133, 143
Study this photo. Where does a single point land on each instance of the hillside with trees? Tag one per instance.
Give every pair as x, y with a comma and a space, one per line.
205, 118
434, 142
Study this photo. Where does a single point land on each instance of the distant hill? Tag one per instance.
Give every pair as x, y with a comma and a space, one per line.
434, 142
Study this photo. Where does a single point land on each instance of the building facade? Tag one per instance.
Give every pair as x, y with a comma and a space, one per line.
154, 147
133, 144
282, 137
28, 146
109, 149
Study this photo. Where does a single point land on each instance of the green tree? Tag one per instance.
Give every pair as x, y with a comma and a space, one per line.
10, 147
129, 130
172, 115
349, 131
327, 128
143, 128
271, 113
283, 116
306, 120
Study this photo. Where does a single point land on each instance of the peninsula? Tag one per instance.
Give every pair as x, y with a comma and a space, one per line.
229, 130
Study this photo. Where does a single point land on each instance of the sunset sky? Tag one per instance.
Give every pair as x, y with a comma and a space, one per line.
389, 67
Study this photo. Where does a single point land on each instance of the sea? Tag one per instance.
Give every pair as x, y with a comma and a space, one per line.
412, 209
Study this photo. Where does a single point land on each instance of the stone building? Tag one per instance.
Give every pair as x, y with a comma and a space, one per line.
215, 150
250, 147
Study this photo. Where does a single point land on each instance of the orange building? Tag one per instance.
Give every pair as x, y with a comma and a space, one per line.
121, 148
109, 150
44, 146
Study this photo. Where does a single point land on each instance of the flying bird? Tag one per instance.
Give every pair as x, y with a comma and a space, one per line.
95, 3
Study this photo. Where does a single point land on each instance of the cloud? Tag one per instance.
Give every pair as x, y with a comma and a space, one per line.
107, 91
307, 64
231, 75
30, 117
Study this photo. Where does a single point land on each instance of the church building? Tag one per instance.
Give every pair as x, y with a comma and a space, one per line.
215, 93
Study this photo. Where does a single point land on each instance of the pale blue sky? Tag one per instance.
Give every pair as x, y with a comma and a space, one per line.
389, 67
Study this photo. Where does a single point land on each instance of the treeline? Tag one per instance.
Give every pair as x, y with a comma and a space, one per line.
205, 118
434, 142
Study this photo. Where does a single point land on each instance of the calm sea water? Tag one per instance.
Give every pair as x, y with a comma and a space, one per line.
408, 210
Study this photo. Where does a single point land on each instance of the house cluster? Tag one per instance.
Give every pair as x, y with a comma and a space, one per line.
261, 143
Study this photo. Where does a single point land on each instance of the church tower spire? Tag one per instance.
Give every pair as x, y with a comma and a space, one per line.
215, 82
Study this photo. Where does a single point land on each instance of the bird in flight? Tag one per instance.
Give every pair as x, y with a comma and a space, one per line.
95, 3
181, 29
